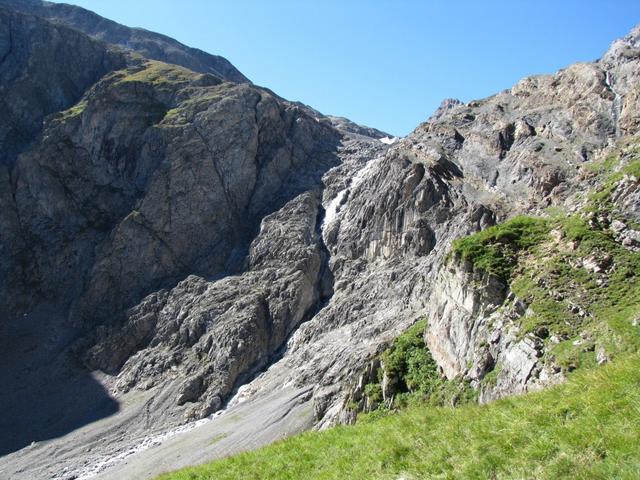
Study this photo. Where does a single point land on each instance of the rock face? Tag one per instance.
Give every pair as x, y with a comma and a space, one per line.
110, 171
38, 77
469, 335
346, 125
214, 332
444, 107
192, 233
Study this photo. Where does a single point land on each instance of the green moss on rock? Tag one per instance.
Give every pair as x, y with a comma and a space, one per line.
496, 249
156, 73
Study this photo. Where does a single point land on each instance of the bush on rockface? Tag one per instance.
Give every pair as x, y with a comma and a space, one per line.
495, 249
408, 374
409, 363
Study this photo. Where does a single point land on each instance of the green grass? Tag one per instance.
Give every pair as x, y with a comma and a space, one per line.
588, 428
552, 280
605, 165
496, 249
633, 168
624, 161
159, 73
74, 111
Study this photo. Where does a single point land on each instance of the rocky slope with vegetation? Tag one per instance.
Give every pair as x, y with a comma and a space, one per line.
547, 301
179, 243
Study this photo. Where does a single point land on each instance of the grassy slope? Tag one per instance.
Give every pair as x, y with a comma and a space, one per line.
588, 428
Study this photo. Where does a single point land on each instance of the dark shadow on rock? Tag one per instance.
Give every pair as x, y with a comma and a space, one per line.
45, 393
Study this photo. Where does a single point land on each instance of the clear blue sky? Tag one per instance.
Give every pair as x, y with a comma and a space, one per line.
383, 63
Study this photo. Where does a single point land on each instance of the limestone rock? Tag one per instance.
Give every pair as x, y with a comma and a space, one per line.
444, 107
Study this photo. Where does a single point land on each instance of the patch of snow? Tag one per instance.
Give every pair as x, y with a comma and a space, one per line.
243, 394
334, 206
332, 209
388, 140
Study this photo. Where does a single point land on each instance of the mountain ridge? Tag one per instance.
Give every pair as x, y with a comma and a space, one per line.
152, 45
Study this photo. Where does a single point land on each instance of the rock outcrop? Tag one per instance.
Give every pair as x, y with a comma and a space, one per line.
348, 126
38, 76
444, 107
474, 329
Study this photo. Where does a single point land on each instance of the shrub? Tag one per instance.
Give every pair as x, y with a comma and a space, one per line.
495, 249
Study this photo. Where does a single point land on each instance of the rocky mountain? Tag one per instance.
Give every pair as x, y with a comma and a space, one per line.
444, 107
151, 45
178, 242
347, 125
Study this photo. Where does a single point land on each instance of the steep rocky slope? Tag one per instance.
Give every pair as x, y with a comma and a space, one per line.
521, 305
180, 235
522, 150
134, 177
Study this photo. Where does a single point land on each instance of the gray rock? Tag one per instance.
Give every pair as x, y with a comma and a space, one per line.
38, 76
347, 126
468, 335
444, 107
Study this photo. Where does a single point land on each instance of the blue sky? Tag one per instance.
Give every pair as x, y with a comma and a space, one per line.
386, 64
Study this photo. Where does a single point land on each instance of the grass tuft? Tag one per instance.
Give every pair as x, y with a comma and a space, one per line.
158, 73
496, 249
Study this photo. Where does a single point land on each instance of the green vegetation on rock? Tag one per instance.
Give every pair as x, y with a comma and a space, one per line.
74, 111
584, 292
412, 377
495, 249
408, 360
580, 284
156, 73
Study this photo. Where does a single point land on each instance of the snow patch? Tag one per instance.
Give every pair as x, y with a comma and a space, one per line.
332, 210
243, 394
616, 106
388, 140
